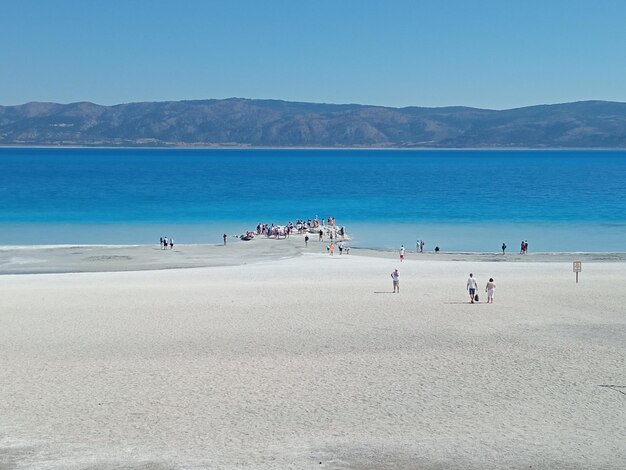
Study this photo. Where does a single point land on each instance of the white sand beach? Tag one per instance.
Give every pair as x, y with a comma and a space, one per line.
275, 357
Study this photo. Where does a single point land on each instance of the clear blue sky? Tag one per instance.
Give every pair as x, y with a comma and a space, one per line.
491, 54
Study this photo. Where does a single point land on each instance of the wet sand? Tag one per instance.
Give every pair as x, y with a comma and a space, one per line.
37, 259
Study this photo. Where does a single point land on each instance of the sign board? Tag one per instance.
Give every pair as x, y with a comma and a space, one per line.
577, 268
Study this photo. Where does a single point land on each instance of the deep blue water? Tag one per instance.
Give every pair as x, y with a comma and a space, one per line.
128, 195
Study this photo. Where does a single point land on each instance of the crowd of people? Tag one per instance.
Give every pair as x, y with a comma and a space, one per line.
324, 228
300, 227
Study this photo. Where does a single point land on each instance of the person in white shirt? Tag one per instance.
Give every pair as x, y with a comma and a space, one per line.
401, 253
395, 276
471, 287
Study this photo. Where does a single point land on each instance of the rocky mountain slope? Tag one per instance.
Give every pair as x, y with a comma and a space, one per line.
271, 123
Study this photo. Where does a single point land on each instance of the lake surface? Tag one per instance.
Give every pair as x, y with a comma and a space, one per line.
460, 200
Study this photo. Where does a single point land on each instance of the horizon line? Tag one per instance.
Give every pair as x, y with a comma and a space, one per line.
279, 100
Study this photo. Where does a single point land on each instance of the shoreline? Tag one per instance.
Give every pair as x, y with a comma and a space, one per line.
76, 258
250, 147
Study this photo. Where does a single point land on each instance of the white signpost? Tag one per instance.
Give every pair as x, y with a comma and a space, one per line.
577, 268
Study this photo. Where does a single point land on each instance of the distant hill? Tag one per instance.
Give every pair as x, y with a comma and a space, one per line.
271, 123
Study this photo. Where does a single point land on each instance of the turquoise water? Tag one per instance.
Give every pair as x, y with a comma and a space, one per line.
459, 200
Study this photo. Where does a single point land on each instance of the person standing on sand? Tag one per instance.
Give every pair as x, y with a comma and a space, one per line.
401, 253
321, 234
471, 287
395, 277
489, 289
306, 240
331, 248
224, 237
171, 243
503, 247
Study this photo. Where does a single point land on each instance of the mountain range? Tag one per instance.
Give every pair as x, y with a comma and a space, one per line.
273, 123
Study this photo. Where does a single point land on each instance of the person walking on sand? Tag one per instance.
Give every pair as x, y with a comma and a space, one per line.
503, 247
224, 237
331, 248
306, 240
401, 253
171, 243
489, 289
395, 277
471, 287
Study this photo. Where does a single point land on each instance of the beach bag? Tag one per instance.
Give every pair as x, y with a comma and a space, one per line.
476, 298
